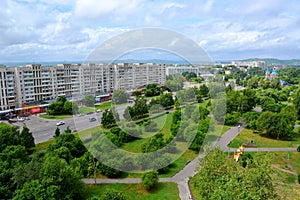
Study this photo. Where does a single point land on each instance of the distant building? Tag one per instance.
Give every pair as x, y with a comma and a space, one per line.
171, 70
248, 64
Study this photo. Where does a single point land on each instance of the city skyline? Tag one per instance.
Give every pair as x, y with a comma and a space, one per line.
37, 31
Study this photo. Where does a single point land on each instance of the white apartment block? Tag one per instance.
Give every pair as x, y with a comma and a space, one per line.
250, 64
37, 83
171, 70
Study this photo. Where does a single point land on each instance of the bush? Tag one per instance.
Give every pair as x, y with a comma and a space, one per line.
298, 149
150, 179
299, 178
231, 119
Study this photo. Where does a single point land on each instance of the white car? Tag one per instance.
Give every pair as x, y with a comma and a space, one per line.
60, 123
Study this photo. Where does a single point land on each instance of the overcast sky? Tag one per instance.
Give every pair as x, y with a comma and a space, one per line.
67, 30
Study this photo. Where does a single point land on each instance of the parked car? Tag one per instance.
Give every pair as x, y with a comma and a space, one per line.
92, 119
98, 111
21, 119
26, 118
89, 113
60, 123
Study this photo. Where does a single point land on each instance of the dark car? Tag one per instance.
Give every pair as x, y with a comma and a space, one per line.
92, 119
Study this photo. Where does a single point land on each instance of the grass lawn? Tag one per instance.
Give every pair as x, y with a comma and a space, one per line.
285, 182
290, 158
85, 110
90, 131
163, 123
55, 117
285, 185
44, 145
103, 106
135, 191
247, 135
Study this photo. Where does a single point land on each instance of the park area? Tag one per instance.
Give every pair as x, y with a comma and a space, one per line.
250, 137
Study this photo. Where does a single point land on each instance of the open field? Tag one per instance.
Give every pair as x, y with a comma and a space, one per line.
166, 191
247, 135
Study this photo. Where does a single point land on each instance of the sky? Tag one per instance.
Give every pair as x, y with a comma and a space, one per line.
69, 30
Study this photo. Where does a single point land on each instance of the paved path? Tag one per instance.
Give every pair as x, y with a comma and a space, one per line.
183, 176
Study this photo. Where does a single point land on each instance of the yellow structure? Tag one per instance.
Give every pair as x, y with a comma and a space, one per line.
238, 152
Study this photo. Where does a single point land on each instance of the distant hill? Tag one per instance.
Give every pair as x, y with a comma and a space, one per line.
274, 61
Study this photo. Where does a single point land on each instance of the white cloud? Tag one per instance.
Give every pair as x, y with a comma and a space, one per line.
65, 28
91, 9
169, 5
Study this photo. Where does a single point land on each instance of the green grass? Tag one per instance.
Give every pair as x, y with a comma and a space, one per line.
284, 158
285, 182
85, 110
163, 123
247, 135
166, 191
55, 117
90, 131
103, 106
44, 145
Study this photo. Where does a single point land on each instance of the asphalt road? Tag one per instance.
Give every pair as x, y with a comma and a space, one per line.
43, 129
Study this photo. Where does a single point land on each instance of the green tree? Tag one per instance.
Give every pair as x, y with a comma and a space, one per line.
26, 138
138, 110
57, 132
89, 100
166, 100
231, 119
86, 165
152, 90
297, 102
9, 135
222, 178
155, 143
68, 108
59, 180
62, 99
204, 91
70, 141
219, 109
150, 179
175, 84
31, 190
64, 153
108, 119
275, 125
189, 75
119, 97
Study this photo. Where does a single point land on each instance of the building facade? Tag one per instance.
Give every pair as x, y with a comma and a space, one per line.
37, 83
171, 70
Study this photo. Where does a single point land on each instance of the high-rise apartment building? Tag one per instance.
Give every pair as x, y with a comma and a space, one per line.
37, 83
